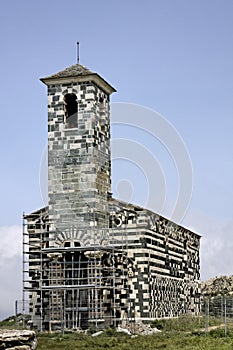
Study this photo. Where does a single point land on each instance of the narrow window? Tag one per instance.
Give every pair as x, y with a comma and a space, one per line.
71, 110
102, 114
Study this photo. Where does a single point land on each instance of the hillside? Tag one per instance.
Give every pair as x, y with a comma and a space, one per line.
217, 285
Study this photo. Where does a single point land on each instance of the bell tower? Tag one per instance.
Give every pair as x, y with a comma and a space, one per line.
79, 160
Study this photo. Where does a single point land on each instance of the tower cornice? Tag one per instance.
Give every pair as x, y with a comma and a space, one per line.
75, 74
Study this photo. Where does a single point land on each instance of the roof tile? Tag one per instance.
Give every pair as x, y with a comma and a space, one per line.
72, 71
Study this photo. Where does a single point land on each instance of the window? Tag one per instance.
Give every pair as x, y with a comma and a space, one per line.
71, 110
71, 244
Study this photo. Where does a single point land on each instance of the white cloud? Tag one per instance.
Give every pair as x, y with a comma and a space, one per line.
10, 268
216, 251
216, 244
11, 242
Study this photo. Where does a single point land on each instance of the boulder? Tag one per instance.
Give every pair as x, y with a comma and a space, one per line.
138, 328
17, 339
221, 285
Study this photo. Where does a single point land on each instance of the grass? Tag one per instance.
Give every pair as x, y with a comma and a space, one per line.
14, 323
165, 340
183, 333
186, 332
185, 323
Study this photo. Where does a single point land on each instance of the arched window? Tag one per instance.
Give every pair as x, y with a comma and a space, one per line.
71, 110
71, 244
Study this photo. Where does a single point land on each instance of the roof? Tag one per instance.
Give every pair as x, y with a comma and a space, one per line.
75, 73
136, 208
37, 213
72, 71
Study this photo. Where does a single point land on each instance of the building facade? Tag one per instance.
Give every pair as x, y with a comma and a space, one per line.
92, 260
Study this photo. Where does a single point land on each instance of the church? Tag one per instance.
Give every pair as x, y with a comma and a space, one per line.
91, 260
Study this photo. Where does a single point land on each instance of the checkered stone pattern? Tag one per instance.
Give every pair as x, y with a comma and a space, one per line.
143, 265
172, 297
165, 256
149, 270
117, 269
79, 161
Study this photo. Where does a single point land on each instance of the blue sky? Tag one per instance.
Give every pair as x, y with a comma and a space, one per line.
172, 56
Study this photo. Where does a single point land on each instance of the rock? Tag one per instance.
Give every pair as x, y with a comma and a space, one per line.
20, 347
17, 339
138, 328
123, 330
96, 334
145, 329
216, 286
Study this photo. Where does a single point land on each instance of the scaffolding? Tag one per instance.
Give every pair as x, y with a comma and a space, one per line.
72, 286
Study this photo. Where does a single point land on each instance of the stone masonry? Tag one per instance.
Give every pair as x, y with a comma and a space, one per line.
93, 260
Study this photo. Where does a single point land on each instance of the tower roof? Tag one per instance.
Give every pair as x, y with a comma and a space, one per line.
78, 73
72, 71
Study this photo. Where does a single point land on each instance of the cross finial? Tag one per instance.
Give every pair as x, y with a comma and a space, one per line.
78, 52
